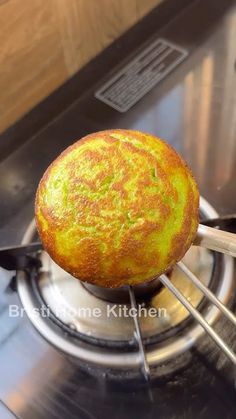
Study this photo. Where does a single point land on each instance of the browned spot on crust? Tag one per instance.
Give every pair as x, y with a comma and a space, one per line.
118, 190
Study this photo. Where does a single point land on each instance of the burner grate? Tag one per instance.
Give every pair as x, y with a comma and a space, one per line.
197, 316
192, 310
146, 356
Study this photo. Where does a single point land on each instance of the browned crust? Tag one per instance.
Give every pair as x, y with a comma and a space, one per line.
90, 258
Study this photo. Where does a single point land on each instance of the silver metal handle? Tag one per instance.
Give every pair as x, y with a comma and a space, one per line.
218, 240
197, 316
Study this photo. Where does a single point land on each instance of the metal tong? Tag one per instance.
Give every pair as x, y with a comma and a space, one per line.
218, 240
223, 241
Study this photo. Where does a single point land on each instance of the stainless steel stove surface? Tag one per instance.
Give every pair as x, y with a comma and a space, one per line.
193, 106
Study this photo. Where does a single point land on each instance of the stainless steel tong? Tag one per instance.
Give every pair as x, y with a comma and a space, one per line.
218, 240
20, 257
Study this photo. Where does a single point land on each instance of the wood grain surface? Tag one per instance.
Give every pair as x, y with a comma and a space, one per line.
44, 42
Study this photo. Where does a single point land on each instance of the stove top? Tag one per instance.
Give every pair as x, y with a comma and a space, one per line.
193, 107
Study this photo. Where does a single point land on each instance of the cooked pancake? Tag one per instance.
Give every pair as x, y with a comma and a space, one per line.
117, 207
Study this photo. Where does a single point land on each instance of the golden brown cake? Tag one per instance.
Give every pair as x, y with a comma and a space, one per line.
117, 207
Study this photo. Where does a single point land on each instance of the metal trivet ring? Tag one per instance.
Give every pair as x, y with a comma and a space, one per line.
144, 357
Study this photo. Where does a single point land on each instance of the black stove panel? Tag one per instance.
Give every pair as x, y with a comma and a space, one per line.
194, 109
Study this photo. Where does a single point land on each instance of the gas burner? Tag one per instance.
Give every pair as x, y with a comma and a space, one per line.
100, 327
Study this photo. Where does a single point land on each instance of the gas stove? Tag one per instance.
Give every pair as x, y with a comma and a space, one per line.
58, 357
